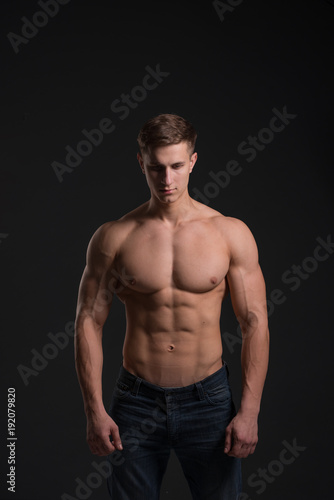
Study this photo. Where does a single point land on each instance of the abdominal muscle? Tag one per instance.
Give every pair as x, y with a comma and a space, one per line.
173, 346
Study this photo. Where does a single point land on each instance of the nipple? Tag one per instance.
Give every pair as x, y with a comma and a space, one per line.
171, 347
213, 280
133, 281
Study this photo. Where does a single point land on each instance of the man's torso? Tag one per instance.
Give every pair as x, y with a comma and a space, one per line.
173, 292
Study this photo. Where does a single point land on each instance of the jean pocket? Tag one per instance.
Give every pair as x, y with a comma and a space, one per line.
121, 390
218, 395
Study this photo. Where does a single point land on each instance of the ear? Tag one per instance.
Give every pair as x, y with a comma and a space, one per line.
193, 160
141, 162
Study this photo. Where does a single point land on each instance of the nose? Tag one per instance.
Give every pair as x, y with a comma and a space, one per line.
167, 177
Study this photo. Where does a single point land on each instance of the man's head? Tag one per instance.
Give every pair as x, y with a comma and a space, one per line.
164, 130
167, 155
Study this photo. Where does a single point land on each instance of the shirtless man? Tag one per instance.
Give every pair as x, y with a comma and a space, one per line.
172, 261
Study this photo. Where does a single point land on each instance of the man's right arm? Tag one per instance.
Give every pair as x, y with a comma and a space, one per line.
94, 302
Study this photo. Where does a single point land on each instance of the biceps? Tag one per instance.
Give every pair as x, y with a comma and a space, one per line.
95, 297
248, 294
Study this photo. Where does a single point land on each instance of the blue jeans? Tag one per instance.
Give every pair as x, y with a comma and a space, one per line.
191, 420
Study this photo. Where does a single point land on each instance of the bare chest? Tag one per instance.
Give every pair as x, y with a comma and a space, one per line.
192, 259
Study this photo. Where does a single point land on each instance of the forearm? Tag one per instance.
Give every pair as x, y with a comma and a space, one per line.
89, 362
254, 366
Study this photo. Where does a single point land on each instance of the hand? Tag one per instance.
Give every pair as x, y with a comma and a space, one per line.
99, 429
241, 436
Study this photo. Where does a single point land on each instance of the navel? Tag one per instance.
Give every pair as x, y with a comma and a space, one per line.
171, 347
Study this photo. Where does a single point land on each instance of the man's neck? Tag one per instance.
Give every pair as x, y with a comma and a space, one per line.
172, 213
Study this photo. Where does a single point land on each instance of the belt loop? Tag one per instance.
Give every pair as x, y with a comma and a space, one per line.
135, 387
200, 390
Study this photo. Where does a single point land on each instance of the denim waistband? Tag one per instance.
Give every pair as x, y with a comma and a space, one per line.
138, 385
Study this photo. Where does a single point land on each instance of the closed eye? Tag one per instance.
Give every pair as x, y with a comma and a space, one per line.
160, 167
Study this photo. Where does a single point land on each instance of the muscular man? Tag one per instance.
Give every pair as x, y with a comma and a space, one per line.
172, 261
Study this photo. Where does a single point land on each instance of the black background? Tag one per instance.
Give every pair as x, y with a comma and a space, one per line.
225, 77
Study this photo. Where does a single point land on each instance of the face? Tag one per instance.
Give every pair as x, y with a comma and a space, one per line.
167, 170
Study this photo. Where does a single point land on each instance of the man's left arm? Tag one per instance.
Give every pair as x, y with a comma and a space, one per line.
248, 297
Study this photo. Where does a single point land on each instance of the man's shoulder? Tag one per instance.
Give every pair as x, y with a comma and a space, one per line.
234, 227
231, 226
235, 233
240, 240
109, 236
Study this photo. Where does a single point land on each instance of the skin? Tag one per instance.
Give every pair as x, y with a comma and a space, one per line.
172, 261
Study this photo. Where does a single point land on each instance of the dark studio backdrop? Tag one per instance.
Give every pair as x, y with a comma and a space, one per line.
254, 78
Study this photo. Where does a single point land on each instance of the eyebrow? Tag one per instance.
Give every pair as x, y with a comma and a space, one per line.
161, 165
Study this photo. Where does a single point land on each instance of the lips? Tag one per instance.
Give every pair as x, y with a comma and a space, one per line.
167, 190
